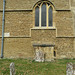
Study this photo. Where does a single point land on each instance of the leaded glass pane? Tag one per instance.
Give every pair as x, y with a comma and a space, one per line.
43, 15
50, 18
37, 17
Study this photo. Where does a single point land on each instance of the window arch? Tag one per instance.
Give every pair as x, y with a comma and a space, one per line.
44, 14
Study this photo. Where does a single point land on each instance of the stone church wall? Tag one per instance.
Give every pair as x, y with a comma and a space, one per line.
20, 34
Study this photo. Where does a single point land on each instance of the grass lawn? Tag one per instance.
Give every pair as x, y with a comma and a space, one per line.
28, 67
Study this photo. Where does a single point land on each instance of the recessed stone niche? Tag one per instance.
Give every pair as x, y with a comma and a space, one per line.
44, 53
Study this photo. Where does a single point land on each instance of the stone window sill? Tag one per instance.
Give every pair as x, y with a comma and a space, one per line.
50, 28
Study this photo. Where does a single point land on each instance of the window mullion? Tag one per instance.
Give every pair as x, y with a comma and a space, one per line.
47, 15
40, 17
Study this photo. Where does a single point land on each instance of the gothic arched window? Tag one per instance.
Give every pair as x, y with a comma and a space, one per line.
44, 15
